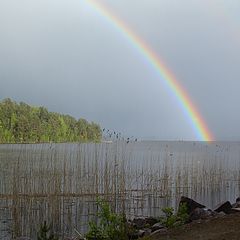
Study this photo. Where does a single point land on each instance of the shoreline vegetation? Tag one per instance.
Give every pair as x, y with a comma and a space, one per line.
172, 225
22, 123
59, 183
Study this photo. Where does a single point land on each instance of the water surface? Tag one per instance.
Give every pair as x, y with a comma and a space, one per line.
60, 182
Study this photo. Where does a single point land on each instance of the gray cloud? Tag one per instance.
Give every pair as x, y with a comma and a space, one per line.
62, 55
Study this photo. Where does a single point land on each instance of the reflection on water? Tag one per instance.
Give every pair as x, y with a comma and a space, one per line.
60, 182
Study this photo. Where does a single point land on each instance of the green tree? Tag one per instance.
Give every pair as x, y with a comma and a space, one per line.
21, 123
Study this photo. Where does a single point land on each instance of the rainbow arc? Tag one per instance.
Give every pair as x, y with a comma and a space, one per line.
191, 112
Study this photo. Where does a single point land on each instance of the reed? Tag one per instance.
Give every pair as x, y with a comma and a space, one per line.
59, 183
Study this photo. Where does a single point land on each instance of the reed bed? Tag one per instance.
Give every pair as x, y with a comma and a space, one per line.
60, 183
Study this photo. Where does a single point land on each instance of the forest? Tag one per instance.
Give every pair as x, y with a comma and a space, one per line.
22, 123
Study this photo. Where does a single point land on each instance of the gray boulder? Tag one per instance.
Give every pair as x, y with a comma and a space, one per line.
151, 221
190, 204
161, 231
137, 234
225, 207
147, 232
139, 222
221, 214
156, 227
237, 203
23, 238
200, 213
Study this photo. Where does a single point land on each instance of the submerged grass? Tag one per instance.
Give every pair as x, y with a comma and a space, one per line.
60, 183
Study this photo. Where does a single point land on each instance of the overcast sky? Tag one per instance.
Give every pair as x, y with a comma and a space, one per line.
62, 55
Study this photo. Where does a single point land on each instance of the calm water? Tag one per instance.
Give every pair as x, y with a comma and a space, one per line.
60, 182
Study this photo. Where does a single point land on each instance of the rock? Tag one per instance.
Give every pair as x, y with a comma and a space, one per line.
235, 210
196, 214
190, 203
141, 233
225, 207
23, 238
237, 203
151, 220
156, 227
215, 214
131, 224
159, 232
75, 238
137, 234
221, 214
200, 213
133, 236
139, 222
147, 232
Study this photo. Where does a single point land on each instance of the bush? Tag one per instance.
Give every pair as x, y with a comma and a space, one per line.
111, 226
171, 220
183, 213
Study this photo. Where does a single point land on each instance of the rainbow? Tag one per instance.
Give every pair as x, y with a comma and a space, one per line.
190, 110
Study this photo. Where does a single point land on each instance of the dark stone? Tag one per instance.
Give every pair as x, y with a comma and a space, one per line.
235, 210
190, 204
136, 234
139, 222
147, 232
237, 203
156, 227
200, 213
225, 207
131, 224
161, 231
133, 236
75, 238
23, 238
141, 233
151, 220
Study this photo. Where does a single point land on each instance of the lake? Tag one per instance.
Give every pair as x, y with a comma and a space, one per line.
60, 183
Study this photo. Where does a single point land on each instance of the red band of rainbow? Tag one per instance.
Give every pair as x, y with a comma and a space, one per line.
190, 110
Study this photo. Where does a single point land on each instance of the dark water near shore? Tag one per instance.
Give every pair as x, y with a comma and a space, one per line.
60, 182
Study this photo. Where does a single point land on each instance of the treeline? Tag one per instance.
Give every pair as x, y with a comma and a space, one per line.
21, 123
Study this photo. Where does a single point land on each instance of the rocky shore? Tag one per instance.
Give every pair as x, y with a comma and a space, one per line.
197, 214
